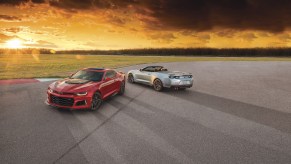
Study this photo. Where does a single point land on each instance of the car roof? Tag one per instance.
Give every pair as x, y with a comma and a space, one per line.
96, 69
154, 66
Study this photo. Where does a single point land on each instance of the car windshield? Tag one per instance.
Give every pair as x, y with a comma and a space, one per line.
154, 69
88, 75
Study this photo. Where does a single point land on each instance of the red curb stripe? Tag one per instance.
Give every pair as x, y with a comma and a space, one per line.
17, 81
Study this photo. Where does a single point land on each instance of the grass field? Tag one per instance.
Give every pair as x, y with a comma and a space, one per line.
32, 66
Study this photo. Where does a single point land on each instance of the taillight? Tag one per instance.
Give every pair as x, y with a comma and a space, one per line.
174, 77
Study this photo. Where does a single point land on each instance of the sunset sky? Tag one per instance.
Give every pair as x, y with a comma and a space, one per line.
122, 24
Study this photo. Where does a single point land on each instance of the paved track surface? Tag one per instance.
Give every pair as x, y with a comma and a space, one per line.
238, 112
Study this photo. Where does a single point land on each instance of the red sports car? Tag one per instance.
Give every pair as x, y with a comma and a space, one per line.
86, 89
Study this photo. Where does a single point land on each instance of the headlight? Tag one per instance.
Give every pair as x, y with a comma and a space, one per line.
50, 90
82, 94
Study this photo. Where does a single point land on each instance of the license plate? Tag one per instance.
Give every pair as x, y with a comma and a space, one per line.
186, 82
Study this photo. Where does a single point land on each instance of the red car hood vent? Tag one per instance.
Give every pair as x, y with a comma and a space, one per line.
76, 81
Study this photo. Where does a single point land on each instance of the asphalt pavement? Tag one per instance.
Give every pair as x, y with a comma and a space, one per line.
237, 112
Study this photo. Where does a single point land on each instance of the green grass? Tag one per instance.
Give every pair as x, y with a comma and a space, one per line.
32, 66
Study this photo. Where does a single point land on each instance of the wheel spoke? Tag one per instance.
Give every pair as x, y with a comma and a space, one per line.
130, 79
96, 101
157, 85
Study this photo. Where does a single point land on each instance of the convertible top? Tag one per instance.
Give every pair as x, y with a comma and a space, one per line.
155, 68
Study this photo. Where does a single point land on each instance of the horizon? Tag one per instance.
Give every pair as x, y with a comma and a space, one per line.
148, 48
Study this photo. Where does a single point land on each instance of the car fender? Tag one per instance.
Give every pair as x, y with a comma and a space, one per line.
133, 72
163, 77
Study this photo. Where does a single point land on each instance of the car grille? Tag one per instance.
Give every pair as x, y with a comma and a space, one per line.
62, 101
63, 93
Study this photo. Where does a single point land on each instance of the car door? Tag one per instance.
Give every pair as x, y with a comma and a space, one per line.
144, 75
147, 74
109, 85
139, 75
116, 84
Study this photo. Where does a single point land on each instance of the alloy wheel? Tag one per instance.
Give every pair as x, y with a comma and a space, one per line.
158, 85
96, 101
130, 78
122, 88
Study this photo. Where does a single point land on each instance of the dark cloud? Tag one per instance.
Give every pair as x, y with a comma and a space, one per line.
17, 2
13, 2
9, 18
116, 20
200, 15
72, 4
196, 15
92, 4
38, 1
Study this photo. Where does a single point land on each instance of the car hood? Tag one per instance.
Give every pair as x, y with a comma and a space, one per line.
72, 85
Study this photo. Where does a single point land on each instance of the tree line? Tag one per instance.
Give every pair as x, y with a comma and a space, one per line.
215, 52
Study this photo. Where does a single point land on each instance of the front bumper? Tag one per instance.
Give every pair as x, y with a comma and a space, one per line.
68, 101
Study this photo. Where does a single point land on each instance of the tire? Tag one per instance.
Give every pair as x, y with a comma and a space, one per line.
182, 89
96, 101
122, 88
130, 78
158, 85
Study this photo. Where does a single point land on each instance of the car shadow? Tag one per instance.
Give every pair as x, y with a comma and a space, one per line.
262, 115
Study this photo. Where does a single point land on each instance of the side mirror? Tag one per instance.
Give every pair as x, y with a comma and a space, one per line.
140, 69
106, 78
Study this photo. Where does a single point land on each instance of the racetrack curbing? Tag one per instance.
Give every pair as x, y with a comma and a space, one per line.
24, 81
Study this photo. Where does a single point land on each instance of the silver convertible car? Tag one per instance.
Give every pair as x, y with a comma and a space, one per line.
159, 77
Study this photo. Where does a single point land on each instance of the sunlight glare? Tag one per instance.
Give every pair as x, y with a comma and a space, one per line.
14, 43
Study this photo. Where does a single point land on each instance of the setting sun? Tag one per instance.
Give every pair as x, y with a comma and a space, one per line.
14, 43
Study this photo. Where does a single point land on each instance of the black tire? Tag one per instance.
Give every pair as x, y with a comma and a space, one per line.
96, 101
122, 88
130, 78
158, 85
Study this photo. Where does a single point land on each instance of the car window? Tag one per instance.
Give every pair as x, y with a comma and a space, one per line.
153, 69
88, 75
149, 69
110, 74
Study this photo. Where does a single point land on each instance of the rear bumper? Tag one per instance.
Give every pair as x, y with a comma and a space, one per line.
78, 102
178, 83
181, 86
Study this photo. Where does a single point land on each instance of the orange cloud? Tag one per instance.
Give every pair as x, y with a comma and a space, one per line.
118, 24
